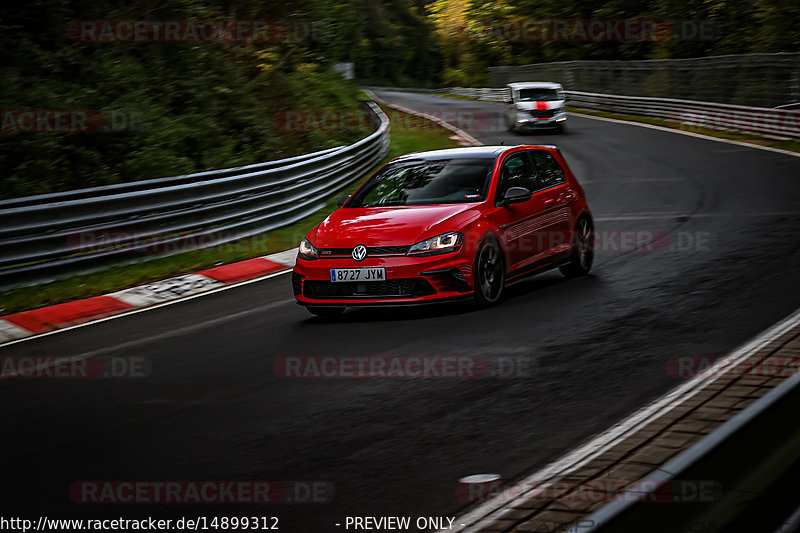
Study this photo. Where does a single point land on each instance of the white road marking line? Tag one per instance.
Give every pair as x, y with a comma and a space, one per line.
145, 340
620, 431
666, 216
660, 128
689, 133
634, 181
143, 309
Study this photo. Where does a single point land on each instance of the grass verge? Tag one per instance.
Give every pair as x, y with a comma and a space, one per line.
409, 134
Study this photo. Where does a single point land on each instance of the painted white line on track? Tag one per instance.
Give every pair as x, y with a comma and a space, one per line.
650, 126
157, 306
618, 432
688, 133
666, 216
634, 181
152, 338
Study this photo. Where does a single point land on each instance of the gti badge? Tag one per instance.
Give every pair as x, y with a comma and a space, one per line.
359, 252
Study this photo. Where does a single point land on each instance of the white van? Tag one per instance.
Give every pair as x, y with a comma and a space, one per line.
536, 105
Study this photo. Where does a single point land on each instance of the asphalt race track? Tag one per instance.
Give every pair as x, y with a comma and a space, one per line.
726, 267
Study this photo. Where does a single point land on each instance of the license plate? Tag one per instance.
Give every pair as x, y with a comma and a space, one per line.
358, 274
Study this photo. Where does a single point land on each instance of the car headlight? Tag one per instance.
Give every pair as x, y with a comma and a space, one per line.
307, 250
441, 244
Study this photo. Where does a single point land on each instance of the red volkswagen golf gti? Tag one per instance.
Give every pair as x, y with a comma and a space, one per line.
447, 224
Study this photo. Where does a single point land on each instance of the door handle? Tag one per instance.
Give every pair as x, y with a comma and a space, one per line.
549, 202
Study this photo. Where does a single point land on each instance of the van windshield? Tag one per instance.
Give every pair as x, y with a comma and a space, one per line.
538, 95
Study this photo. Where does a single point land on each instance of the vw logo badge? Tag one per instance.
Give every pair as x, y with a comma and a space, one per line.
359, 252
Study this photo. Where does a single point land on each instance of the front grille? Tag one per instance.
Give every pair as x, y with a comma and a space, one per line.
371, 251
387, 250
392, 288
543, 113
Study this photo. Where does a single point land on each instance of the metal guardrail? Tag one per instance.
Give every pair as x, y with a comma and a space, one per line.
46, 236
689, 114
764, 80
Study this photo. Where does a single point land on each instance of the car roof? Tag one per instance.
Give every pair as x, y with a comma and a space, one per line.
471, 151
535, 85
450, 153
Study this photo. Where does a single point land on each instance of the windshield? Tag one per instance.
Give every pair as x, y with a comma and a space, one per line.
538, 95
426, 182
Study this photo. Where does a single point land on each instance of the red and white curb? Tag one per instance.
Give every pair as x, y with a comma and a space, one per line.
47, 319
461, 140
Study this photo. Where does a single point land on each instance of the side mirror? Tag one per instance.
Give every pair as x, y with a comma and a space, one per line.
516, 195
342, 200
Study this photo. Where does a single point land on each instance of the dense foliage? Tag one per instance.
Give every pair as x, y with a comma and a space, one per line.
181, 107
739, 26
168, 108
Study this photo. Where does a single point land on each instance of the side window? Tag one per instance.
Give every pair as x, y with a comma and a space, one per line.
548, 172
517, 171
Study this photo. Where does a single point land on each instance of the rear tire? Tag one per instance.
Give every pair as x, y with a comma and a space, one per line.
582, 256
490, 273
326, 311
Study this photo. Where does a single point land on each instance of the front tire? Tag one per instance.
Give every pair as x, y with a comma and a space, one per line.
490, 273
582, 256
325, 311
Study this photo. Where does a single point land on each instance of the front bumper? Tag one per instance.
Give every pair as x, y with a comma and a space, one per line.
531, 123
409, 280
